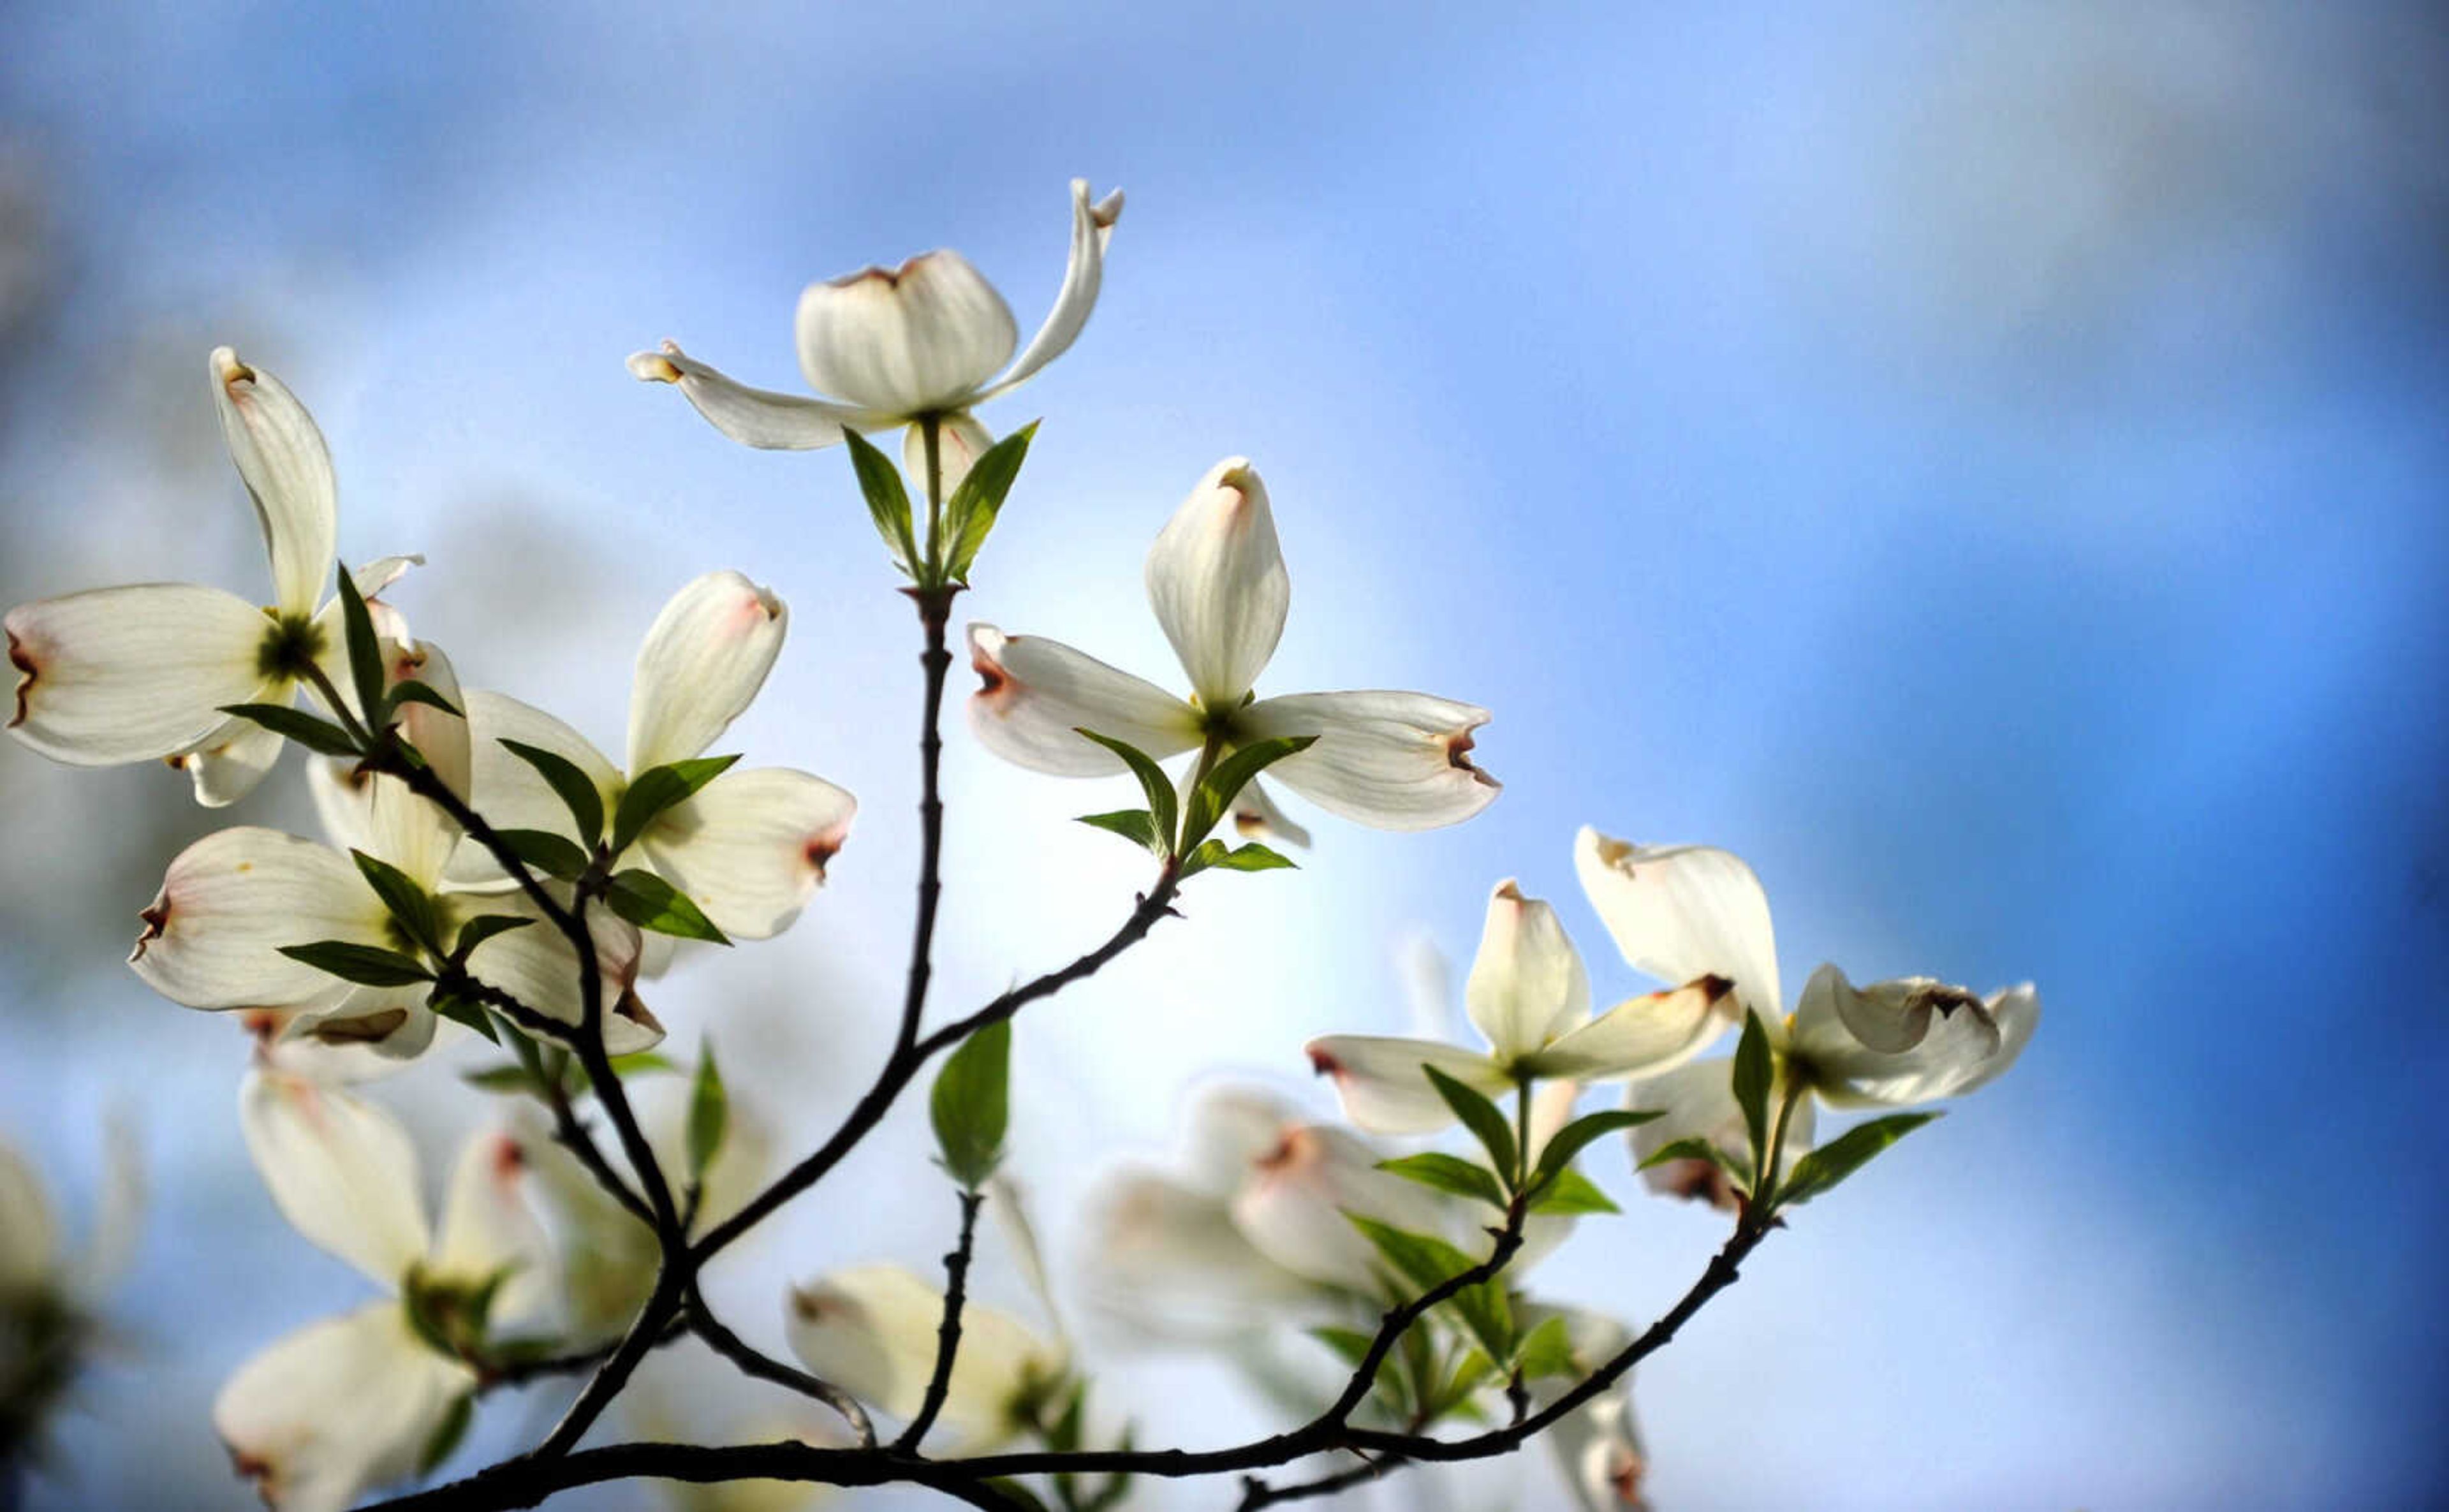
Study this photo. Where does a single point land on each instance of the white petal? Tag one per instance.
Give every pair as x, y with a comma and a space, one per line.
751, 847
343, 802
1389, 760
1093, 226
1229, 1129
284, 1042
872, 1330
1292, 1208
536, 966
1641, 1036
922, 337
442, 738
341, 1171
1383, 1087
234, 759
1526, 985
1166, 1261
392, 1023
1697, 1101
488, 1226
1034, 694
212, 936
756, 417
703, 661
133, 674
29, 1237
1681, 913
1216, 579
1950, 1041
513, 794
1256, 818
959, 442
288, 472
337, 1409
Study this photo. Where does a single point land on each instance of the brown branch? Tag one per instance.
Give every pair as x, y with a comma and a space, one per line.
948, 1333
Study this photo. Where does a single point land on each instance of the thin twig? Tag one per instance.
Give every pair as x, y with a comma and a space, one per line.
948, 1333
756, 1361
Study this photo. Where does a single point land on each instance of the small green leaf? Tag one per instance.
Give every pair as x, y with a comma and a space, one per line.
1570, 1192
1753, 1073
484, 927
1547, 1349
414, 691
1135, 825
1428, 1262
709, 1115
1575, 1136
366, 965
1470, 1373
460, 1010
1480, 1117
365, 651
1448, 1173
1250, 857
407, 901
1350, 1345
651, 903
320, 736
971, 1104
888, 501
1844, 1155
643, 1063
1162, 802
506, 1079
455, 1418
574, 787
555, 855
1226, 779
1697, 1148
656, 788
971, 510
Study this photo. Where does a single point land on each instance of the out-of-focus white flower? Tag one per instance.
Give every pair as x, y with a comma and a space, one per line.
135, 673
750, 847
1216, 579
1530, 996
1598, 1447
1681, 910
49, 1297
356, 1400
872, 1330
924, 340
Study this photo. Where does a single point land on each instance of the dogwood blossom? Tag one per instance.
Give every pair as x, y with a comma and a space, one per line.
872, 1330
750, 847
921, 341
142, 673
1530, 996
356, 1400
1216, 579
1680, 909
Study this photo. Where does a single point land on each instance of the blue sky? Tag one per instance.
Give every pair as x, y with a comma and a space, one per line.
1984, 467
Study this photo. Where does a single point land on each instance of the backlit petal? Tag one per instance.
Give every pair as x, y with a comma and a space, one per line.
132, 674
341, 1171
513, 794
1034, 694
1383, 1087
703, 661
1389, 760
1292, 1207
288, 473
337, 1409
1642, 1036
1166, 1261
536, 966
1697, 1101
1526, 985
1949, 1041
212, 935
1093, 226
236, 757
756, 417
1216, 579
488, 1226
1681, 913
922, 337
872, 1330
959, 442
751, 847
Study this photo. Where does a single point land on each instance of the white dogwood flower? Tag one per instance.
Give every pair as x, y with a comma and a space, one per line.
924, 340
356, 1401
1528, 995
748, 848
136, 673
1217, 581
872, 1330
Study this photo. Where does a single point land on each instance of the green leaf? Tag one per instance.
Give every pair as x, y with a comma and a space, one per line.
483, 928
1250, 857
1752, 1075
574, 787
506, 1079
971, 1104
320, 736
888, 501
407, 901
1153, 782
1575, 1136
1226, 779
414, 691
1448, 1173
642, 1062
1842, 1155
460, 1010
1569, 1190
651, 903
1480, 1117
656, 788
1018, 1495
1428, 1262
1135, 825
1350, 1345
971, 512
365, 652
1697, 1148
1547, 1349
454, 1425
709, 1115
366, 965
1469, 1372
555, 855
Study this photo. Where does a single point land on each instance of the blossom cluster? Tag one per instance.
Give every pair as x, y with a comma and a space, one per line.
489, 878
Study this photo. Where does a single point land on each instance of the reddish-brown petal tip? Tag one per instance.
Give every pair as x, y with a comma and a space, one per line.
1322, 1062
992, 679
23, 660
1715, 986
1459, 747
1700, 1180
156, 917
365, 1028
821, 848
